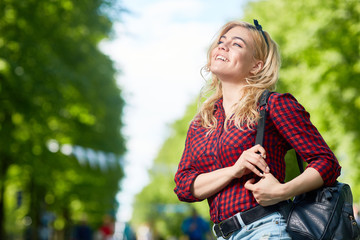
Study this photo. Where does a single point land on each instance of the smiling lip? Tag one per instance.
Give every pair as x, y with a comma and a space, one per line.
222, 58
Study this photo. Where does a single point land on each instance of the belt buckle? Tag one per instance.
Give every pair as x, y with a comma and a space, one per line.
222, 233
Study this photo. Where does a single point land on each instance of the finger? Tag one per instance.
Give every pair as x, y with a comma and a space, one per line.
249, 185
260, 150
258, 162
254, 169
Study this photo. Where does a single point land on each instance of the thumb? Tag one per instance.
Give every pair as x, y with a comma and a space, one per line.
249, 185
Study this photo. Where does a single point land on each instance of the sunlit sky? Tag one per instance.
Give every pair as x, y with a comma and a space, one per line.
160, 47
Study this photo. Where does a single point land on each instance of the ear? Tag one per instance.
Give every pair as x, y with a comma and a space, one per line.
257, 67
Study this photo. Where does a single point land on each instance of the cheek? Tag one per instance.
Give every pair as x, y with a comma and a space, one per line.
243, 61
211, 60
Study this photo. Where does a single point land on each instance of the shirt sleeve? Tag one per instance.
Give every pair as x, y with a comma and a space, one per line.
186, 172
293, 122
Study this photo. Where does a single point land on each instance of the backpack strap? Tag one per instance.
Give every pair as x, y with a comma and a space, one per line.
261, 126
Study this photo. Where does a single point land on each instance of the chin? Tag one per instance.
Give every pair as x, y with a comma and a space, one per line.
216, 70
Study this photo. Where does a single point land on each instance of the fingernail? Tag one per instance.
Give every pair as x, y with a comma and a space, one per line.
267, 169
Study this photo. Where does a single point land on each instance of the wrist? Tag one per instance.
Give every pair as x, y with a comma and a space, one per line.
286, 192
234, 172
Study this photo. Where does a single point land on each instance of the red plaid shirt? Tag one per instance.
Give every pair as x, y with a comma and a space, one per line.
287, 126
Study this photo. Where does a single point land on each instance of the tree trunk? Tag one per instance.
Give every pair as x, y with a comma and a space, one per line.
34, 211
2, 210
68, 223
4, 165
5, 162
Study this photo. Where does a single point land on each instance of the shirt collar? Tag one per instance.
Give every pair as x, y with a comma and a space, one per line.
218, 104
218, 107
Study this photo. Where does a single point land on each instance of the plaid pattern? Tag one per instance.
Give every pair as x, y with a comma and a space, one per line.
287, 126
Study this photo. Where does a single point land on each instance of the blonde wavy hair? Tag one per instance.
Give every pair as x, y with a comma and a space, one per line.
246, 109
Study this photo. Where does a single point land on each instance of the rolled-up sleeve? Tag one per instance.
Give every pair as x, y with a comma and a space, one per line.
293, 123
186, 172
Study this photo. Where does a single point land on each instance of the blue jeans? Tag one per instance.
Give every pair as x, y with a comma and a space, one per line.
271, 227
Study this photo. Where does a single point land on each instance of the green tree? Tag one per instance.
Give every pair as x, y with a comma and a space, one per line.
56, 86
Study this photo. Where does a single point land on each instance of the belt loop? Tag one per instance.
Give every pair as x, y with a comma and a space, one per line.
239, 222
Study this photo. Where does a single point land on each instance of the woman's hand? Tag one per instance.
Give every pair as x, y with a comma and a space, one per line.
267, 191
251, 160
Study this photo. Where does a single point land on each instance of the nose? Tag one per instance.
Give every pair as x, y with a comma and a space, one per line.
223, 46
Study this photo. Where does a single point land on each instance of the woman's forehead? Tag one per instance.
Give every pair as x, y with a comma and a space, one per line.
239, 33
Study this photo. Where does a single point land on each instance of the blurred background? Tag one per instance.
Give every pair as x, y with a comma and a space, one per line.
96, 97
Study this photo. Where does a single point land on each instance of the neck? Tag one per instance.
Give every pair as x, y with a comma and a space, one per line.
231, 94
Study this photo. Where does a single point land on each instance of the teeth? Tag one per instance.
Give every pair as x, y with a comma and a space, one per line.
222, 58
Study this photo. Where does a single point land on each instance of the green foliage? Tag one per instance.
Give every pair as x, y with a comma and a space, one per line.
56, 86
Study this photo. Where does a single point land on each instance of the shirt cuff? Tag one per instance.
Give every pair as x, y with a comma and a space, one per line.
183, 187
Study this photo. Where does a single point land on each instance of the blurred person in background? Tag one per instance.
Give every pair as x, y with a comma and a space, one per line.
356, 213
82, 231
129, 233
106, 231
195, 227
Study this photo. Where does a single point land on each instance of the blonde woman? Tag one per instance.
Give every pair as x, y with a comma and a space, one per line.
244, 184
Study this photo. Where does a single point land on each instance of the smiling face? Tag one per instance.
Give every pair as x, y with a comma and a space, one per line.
233, 58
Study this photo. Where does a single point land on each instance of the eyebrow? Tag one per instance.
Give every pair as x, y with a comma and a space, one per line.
240, 38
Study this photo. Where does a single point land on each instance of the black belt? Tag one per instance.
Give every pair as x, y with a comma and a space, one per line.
228, 226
